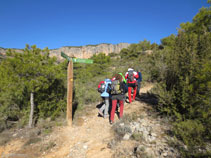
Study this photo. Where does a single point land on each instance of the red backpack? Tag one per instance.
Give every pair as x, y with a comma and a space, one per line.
101, 87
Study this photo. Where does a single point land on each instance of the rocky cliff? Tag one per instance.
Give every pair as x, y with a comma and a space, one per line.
81, 51
4, 50
88, 50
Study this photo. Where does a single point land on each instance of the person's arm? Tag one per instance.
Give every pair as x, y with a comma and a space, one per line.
124, 87
140, 76
136, 75
126, 75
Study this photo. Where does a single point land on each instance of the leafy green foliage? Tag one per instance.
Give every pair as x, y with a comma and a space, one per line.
135, 50
30, 71
169, 41
201, 22
101, 58
183, 70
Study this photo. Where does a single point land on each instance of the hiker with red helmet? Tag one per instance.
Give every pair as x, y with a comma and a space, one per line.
131, 77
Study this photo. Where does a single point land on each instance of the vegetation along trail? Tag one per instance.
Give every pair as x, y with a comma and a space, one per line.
90, 136
171, 121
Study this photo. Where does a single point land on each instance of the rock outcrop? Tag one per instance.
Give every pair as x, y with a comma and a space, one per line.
81, 51
4, 50
88, 50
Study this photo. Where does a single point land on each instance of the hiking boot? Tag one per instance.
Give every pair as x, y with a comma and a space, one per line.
105, 116
100, 113
111, 122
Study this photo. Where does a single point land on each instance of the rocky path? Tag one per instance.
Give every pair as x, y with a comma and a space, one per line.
91, 136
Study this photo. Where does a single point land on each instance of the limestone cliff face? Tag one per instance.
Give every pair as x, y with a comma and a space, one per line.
88, 50
82, 51
4, 50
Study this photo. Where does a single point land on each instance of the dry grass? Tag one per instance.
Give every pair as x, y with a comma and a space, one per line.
4, 138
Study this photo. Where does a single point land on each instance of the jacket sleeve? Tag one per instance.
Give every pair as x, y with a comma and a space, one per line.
136, 75
124, 87
126, 75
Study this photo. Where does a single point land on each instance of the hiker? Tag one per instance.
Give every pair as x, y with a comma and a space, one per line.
131, 77
125, 81
103, 89
139, 81
118, 90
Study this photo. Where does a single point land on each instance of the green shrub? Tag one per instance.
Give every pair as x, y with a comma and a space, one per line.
137, 136
32, 71
189, 129
184, 85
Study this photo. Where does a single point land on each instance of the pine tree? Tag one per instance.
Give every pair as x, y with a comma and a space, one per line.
25, 78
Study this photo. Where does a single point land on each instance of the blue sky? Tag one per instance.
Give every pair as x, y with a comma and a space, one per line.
57, 23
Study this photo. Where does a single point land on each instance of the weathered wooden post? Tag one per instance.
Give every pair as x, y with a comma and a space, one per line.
69, 92
70, 83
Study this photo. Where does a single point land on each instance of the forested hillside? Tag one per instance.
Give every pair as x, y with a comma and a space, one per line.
33, 85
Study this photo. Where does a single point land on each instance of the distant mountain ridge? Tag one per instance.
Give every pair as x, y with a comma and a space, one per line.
81, 51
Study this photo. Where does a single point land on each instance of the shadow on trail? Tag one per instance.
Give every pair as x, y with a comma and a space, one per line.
148, 98
74, 109
74, 106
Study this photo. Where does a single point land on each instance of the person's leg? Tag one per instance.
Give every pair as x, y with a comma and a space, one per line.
110, 106
129, 94
114, 102
138, 88
134, 92
121, 104
106, 107
102, 108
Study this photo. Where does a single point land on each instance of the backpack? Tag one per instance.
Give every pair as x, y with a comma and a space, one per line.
130, 76
116, 88
101, 87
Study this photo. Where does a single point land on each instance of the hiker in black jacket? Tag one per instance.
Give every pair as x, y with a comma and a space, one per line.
118, 90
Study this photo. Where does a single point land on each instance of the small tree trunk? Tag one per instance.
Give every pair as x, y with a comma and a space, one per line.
31, 110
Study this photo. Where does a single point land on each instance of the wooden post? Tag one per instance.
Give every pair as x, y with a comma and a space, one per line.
69, 92
70, 83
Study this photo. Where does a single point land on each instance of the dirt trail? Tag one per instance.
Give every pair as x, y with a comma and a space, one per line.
89, 140
93, 135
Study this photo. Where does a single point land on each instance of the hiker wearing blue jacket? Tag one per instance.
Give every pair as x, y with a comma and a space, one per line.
139, 82
106, 96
